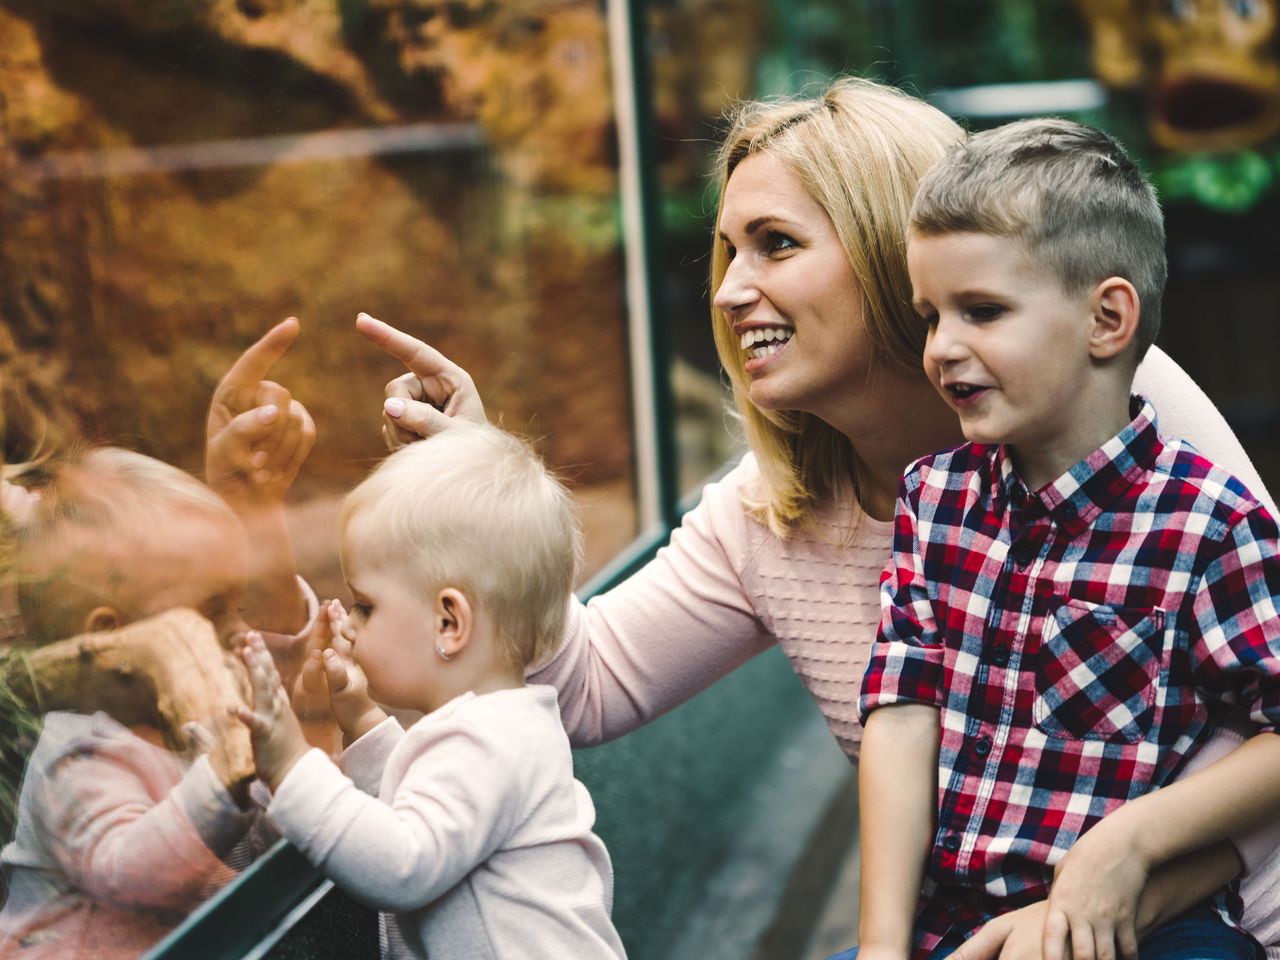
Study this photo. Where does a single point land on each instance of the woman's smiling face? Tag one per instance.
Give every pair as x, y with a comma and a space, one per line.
789, 293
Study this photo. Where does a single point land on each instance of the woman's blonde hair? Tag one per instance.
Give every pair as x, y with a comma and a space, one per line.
474, 508
859, 150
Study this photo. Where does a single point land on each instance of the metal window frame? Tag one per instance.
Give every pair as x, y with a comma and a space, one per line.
251, 915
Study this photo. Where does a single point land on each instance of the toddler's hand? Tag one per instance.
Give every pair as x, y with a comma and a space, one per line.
1093, 905
310, 697
277, 737
349, 699
257, 435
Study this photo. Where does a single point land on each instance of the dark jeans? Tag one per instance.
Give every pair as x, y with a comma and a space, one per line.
1199, 934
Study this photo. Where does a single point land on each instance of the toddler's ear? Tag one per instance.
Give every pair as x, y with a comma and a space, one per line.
455, 621
103, 618
1116, 310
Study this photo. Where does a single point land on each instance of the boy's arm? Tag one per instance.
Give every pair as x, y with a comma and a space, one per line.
1097, 885
897, 789
902, 691
1234, 654
1172, 890
257, 438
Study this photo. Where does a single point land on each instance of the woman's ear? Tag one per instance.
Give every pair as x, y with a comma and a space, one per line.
1116, 311
103, 618
455, 621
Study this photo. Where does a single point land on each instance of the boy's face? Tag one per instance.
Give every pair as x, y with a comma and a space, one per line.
201, 562
391, 627
1007, 348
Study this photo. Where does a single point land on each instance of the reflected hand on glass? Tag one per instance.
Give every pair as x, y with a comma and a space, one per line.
257, 435
277, 737
431, 397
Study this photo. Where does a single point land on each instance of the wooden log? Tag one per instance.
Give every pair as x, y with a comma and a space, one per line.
165, 672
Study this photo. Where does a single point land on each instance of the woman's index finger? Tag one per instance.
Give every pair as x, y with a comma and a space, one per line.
419, 358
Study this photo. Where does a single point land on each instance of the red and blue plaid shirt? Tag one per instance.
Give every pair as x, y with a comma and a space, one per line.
1079, 641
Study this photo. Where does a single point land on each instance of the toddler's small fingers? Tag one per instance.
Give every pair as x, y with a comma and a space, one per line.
257, 726
336, 673
199, 737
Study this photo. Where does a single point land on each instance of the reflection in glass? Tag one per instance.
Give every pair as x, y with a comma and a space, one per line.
178, 178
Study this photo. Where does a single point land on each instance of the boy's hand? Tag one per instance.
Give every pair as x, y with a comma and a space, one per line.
277, 737
257, 435
1093, 906
1017, 935
349, 699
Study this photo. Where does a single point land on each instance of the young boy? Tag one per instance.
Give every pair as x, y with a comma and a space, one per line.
1072, 602
459, 552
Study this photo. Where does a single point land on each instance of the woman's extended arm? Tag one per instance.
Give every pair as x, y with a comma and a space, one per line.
1185, 412
669, 631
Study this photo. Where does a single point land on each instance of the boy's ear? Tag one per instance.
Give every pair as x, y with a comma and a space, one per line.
1116, 309
455, 621
103, 618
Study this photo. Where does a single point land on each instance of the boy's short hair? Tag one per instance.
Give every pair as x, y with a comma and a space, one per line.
475, 508
1068, 192
100, 504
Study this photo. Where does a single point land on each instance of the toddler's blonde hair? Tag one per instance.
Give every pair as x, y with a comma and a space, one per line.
476, 509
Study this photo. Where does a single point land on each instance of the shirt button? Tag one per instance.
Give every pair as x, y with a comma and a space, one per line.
1000, 656
1023, 554
1068, 511
951, 843
982, 746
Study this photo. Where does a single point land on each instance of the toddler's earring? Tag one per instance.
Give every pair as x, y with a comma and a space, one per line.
441, 654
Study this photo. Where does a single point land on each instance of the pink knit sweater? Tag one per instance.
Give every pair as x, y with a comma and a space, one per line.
725, 589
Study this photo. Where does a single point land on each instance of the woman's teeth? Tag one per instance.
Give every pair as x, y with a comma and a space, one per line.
764, 341
962, 390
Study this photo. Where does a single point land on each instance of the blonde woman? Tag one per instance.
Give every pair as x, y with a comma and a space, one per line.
813, 324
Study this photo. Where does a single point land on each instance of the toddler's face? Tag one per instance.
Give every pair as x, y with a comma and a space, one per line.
201, 562
1007, 348
391, 629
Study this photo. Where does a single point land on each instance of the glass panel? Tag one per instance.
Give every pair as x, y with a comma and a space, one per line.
177, 178
706, 54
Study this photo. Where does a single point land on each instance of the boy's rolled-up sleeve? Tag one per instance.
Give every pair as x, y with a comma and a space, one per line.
907, 659
1237, 651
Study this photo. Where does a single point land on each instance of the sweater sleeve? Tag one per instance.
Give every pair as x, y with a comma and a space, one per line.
130, 828
459, 799
668, 631
1185, 413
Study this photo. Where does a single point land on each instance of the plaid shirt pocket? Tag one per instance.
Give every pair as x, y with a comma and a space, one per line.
1097, 672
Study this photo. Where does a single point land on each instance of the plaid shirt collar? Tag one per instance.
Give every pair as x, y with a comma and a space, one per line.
1076, 498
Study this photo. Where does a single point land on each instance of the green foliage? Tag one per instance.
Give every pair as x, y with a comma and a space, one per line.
20, 724
1229, 183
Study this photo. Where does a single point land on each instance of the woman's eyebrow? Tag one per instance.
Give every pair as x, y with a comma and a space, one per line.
758, 222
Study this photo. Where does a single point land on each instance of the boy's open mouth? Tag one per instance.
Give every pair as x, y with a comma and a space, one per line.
964, 391
765, 341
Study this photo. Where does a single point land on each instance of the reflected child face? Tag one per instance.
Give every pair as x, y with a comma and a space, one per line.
201, 562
